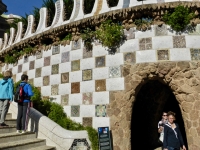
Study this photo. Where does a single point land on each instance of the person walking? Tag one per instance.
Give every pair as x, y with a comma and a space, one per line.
6, 96
24, 106
161, 126
172, 136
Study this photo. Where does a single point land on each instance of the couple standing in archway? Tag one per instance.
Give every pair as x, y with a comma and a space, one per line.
170, 134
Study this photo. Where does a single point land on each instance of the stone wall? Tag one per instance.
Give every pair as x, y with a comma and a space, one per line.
183, 79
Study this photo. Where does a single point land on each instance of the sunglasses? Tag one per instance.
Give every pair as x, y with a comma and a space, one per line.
164, 115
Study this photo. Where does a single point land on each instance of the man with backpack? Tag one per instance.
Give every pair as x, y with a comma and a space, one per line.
22, 97
6, 96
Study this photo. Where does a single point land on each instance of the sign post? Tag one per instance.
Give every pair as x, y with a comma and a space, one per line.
104, 138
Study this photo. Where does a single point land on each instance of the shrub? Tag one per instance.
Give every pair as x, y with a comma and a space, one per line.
110, 35
88, 37
179, 18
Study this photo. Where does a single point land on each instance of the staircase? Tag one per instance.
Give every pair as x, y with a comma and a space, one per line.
10, 140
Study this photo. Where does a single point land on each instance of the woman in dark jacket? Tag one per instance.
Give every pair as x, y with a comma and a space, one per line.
172, 136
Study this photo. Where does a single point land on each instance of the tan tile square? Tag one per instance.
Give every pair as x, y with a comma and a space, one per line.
100, 85
65, 77
75, 87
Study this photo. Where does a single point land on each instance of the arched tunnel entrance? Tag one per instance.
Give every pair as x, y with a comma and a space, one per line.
152, 99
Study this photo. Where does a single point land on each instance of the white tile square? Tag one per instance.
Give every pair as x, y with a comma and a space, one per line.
75, 76
88, 63
101, 98
64, 89
87, 111
75, 99
100, 73
115, 84
55, 79
87, 86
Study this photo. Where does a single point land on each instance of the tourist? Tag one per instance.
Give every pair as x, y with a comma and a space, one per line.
6, 96
24, 106
172, 136
161, 126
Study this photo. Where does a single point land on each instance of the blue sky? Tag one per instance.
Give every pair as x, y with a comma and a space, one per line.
20, 7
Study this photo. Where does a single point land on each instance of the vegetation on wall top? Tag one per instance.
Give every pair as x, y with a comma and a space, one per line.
179, 18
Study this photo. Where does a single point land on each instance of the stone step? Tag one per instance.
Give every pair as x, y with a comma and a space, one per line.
8, 137
9, 129
10, 121
23, 144
43, 148
9, 116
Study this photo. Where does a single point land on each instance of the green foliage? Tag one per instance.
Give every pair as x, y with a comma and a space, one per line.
88, 37
68, 37
110, 34
9, 59
56, 113
88, 6
179, 18
28, 50
69, 4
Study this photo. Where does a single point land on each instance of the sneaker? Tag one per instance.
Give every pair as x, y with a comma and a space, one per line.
3, 125
18, 131
23, 131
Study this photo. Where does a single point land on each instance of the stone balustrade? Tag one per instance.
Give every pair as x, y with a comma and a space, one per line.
100, 7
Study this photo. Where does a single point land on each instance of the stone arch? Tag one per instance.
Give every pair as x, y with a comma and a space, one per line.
183, 78
88, 6
112, 3
153, 98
